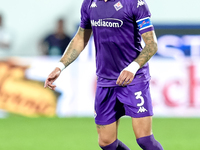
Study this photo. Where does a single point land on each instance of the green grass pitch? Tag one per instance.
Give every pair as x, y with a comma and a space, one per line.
20, 133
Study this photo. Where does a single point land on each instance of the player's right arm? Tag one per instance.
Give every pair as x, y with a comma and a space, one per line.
76, 46
72, 51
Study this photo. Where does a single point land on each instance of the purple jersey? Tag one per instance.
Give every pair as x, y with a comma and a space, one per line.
117, 26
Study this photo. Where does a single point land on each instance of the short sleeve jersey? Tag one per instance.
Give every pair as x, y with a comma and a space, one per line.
117, 27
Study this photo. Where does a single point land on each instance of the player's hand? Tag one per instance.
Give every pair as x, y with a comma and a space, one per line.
125, 78
51, 78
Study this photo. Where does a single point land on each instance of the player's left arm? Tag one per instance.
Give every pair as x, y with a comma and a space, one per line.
149, 50
127, 75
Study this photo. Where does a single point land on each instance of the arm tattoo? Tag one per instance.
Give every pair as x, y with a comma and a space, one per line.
75, 47
149, 49
100, 126
71, 55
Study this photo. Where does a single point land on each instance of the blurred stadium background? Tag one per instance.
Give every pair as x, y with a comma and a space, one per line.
34, 118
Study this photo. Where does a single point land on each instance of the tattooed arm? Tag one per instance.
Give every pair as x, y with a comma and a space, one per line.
149, 50
127, 75
76, 46
73, 50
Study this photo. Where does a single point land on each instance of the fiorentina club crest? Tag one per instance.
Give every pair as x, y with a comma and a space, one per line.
118, 6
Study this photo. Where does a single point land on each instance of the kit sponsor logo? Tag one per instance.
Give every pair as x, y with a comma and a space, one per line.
107, 22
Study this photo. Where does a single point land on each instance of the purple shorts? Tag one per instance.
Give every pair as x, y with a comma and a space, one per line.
111, 103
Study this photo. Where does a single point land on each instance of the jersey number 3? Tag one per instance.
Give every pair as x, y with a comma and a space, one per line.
139, 96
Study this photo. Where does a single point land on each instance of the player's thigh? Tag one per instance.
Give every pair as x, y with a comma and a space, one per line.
107, 133
108, 108
142, 126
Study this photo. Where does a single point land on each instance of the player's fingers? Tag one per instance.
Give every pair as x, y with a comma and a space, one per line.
52, 87
128, 78
51, 78
129, 81
124, 78
120, 79
46, 84
49, 84
126, 82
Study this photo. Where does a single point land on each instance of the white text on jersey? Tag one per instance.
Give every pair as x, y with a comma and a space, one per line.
108, 22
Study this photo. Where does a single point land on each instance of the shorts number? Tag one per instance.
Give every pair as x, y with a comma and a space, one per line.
139, 96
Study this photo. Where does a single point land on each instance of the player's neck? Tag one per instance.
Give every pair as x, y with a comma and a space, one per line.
105, 0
